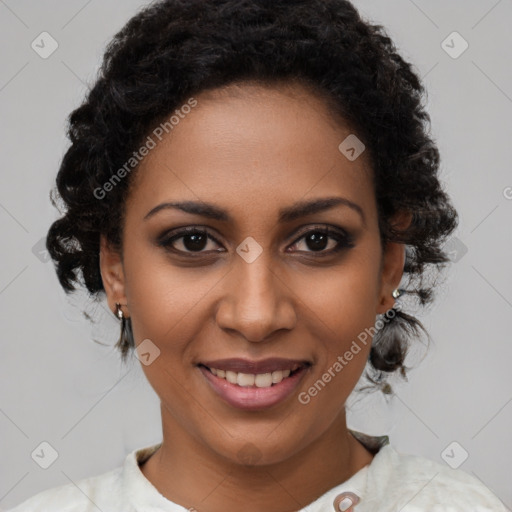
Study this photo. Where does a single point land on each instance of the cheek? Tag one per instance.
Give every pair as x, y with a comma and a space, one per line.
165, 300
344, 300
342, 312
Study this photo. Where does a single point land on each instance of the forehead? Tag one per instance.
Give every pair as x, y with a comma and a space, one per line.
249, 144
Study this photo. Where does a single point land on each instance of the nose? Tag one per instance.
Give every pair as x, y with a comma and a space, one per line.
345, 502
257, 301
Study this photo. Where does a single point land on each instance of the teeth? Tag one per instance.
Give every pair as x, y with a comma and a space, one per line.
231, 377
261, 380
245, 379
277, 376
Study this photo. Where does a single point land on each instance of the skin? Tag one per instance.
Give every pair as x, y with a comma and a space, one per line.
252, 150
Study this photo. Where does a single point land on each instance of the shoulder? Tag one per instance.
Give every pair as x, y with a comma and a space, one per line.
413, 483
88, 493
118, 490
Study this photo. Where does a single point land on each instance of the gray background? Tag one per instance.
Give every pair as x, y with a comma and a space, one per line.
60, 387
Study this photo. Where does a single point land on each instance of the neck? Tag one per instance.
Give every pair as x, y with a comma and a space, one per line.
194, 476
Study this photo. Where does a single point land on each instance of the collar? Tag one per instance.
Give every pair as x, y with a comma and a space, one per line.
144, 497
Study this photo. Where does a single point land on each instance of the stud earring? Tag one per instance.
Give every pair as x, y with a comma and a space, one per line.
396, 293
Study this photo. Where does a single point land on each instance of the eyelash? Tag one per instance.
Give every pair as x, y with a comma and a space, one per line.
343, 239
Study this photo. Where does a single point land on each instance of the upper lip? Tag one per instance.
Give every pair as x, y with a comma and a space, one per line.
240, 365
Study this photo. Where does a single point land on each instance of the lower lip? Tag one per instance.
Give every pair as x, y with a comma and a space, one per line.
252, 398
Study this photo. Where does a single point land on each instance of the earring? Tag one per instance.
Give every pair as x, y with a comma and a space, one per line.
396, 293
119, 311
126, 338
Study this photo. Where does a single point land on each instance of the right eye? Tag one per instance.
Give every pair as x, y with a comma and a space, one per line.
191, 239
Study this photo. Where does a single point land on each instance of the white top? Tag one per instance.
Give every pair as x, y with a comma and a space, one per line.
392, 482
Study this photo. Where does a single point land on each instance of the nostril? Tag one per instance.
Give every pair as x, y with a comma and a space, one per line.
345, 502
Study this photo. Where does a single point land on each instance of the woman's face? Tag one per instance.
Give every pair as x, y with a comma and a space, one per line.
264, 285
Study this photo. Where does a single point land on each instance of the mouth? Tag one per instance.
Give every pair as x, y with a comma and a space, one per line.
259, 380
254, 385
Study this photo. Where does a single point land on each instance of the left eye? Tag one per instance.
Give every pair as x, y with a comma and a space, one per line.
317, 240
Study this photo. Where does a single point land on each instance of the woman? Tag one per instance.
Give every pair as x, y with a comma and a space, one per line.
252, 187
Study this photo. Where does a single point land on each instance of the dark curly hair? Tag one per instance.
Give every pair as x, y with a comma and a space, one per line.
173, 49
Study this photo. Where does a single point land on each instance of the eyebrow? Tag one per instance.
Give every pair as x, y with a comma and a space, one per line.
288, 214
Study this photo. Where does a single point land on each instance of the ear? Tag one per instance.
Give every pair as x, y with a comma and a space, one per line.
112, 274
393, 260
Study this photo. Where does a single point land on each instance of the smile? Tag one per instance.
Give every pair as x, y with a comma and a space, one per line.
254, 385
260, 380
